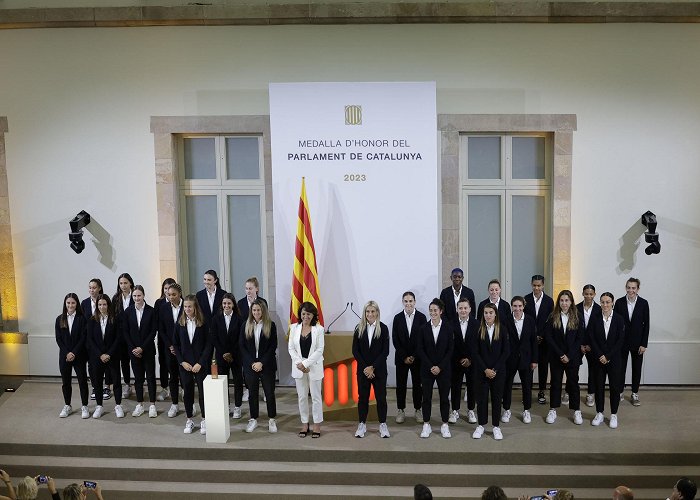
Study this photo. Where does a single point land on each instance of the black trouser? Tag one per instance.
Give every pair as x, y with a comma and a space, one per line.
126, 368
572, 388
102, 371
612, 370
495, 387
188, 380
253, 379
526, 382
444, 380
592, 366
66, 368
460, 373
637, 360
174, 376
163, 353
236, 372
543, 366
363, 389
145, 368
402, 370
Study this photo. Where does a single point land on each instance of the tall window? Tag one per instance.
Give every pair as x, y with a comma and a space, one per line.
506, 214
222, 209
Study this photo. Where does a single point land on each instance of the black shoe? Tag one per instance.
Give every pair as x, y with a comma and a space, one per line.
106, 394
92, 396
540, 398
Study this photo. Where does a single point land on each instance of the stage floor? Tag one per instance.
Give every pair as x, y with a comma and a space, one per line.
665, 424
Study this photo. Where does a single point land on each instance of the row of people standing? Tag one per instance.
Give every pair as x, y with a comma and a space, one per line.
189, 329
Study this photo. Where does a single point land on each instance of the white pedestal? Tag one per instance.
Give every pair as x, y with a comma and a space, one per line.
216, 408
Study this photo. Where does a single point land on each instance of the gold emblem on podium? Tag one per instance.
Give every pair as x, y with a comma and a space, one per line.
353, 114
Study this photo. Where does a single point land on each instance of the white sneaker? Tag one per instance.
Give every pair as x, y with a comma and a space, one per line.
236, 412
384, 431
138, 411
497, 434
84, 412
578, 418
565, 398
445, 431
526, 417
471, 417
400, 417
551, 416
361, 430
119, 411
597, 420
454, 417
590, 400
252, 424
203, 427
272, 426
174, 409
427, 430
163, 395
419, 416
478, 432
98, 412
67, 410
246, 394
613, 421
505, 418
152, 411
189, 425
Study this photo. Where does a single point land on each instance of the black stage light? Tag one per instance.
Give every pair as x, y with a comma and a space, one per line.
651, 236
75, 236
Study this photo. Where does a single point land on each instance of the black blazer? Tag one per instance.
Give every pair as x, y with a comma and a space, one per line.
491, 355
636, 330
166, 325
462, 345
560, 343
97, 346
586, 336
266, 350
523, 350
546, 308
197, 351
448, 297
225, 340
119, 316
612, 347
203, 300
438, 353
404, 345
73, 340
244, 309
86, 305
139, 336
374, 355
503, 310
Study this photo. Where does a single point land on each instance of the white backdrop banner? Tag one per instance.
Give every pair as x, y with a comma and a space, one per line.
368, 152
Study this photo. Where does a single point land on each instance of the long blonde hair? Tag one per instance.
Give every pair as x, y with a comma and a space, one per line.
483, 328
572, 324
198, 316
362, 325
266, 321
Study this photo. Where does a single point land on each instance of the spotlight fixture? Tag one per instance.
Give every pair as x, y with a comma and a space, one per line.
650, 235
75, 236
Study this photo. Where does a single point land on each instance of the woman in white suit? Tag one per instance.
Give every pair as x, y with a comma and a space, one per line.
306, 350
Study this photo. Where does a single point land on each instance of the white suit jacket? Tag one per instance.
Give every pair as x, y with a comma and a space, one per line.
315, 360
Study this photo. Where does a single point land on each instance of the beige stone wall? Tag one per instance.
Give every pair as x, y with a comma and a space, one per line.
8, 291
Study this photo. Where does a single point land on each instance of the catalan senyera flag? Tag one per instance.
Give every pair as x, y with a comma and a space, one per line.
305, 276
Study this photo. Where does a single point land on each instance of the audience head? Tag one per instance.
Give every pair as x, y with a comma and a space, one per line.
27, 489
493, 493
563, 495
622, 493
73, 491
422, 492
685, 489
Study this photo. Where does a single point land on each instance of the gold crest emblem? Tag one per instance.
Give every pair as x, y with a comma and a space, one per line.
353, 114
